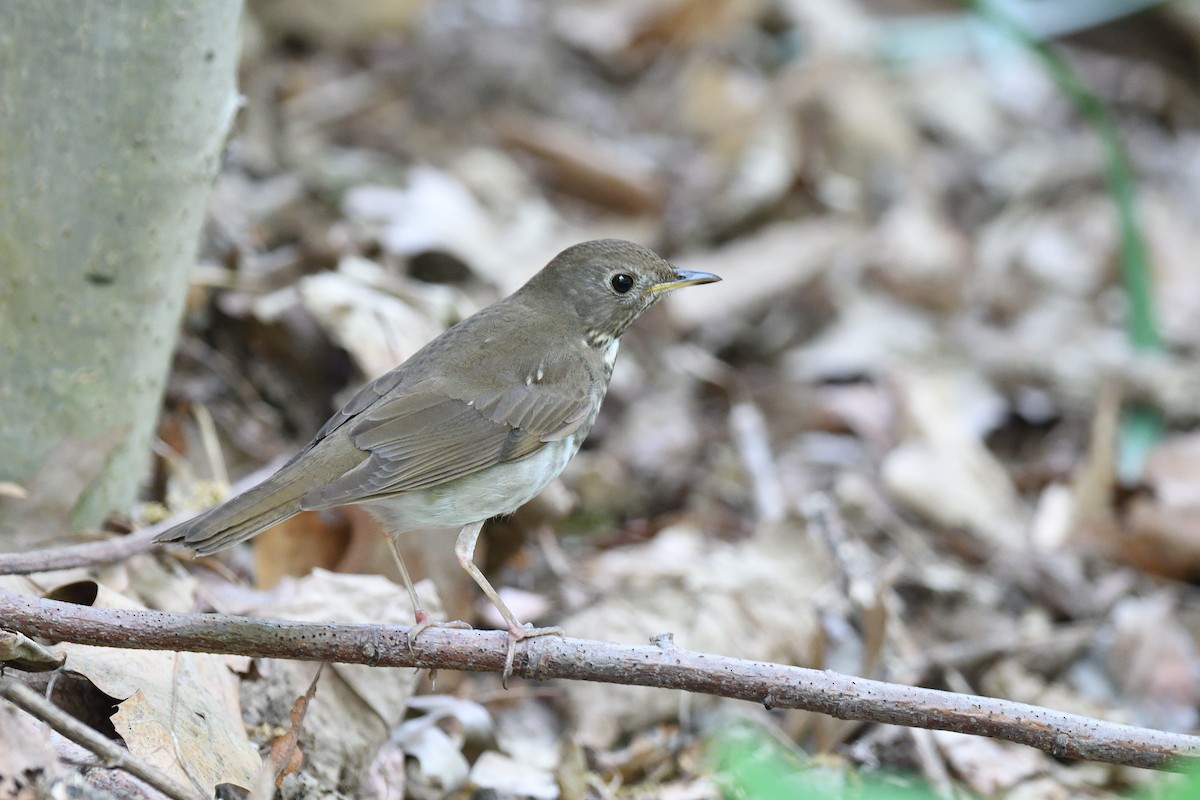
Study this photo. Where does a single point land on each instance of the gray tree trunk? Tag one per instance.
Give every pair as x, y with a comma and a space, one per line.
112, 120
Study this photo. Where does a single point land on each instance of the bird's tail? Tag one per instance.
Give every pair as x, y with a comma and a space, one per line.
242, 517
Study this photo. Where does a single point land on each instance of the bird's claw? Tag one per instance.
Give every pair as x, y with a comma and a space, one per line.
526, 631
424, 622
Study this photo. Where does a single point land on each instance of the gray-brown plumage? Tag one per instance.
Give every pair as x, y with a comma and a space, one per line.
477, 422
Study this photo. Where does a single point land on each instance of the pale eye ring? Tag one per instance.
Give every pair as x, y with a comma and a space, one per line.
621, 283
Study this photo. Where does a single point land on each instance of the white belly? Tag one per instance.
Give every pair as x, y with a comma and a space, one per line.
496, 491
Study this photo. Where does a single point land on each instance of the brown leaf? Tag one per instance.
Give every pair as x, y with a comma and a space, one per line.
579, 164
944, 470
298, 545
753, 598
286, 755
1161, 527
357, 705
179, 711
20, 652
25, 752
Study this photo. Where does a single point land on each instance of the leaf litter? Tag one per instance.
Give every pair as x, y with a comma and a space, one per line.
921, 323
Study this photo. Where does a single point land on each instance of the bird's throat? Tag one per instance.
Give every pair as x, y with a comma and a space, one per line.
610, 355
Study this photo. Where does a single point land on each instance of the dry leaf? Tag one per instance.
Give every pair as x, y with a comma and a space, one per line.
26, 754
192, 730
20, 652
582, 165
1153, 660
608, 29
759, 269
1160, 528
921, 256
944, 470
355, 705
325, 596
530, 733
508, 778
376, 327
179, 711
752, 599
989, 767
296, 546
386, 776
436, 766
873, 336
330, 23
437, 212
286, 756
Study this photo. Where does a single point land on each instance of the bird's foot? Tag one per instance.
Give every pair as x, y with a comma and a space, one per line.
424, 622
516, 634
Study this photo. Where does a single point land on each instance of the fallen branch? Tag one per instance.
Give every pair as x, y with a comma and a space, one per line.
111, 753
661, 665
87, 554
113, 549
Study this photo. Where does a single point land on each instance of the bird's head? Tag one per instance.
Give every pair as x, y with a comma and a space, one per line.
608, 283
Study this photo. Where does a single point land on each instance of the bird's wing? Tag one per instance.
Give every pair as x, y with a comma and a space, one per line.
421, 436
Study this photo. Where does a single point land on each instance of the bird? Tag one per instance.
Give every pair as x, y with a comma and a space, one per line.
474, 424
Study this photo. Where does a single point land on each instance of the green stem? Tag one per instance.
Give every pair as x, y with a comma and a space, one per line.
1135, 264
1141, 426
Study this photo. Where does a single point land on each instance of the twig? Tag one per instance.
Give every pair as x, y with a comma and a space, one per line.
88, 554
753, 442
664, 666
110, 551
39, 707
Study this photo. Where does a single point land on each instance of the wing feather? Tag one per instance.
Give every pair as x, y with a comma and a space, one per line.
425, 438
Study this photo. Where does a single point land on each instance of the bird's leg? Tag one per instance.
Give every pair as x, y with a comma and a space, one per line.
421, 616
464, 549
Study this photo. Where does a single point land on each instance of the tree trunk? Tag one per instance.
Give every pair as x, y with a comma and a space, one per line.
112, 120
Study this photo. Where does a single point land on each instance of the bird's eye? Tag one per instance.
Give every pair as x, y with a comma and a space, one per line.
621, 283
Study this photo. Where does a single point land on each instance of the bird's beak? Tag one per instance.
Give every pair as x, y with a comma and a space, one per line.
683, 277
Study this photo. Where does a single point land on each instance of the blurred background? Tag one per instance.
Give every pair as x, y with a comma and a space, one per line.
935, 426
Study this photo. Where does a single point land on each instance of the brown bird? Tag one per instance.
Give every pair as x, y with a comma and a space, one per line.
476, 423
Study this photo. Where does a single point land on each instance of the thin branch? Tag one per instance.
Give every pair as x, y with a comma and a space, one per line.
661, 665
108, 751
117, 548
87, 554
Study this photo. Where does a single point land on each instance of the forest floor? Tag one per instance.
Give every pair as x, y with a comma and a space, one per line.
924, 325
